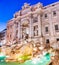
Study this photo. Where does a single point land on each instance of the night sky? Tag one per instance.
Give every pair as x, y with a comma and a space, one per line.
9, 7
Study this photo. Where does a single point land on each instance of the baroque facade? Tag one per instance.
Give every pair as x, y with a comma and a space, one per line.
36, 22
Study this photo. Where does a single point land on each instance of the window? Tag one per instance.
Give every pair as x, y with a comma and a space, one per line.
47, 41
46, 29
57, 39
56, 27
36, 33
35, 19
54, 13
35, 29
45, 15
27, 36
10, 36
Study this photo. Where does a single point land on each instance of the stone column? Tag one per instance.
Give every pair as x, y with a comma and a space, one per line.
12, 36
19, 30
30, 27
41, 38
39, 26
51, 28
14, 32
57, 16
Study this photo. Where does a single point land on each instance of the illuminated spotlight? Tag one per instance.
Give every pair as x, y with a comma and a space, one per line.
35, 49
25, 42
1, 54
34, 45
35, 60
44, 52
41, 48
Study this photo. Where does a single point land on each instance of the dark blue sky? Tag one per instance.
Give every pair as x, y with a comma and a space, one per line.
9, 7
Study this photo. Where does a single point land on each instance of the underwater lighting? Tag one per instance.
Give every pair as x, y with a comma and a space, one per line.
35, 60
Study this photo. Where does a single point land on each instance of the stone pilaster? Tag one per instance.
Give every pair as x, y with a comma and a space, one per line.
14, 32
51, 28
41, 38
39, 26
31, 27
19, 30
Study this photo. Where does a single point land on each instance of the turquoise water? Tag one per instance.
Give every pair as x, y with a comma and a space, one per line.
2, 57
45, 60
